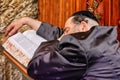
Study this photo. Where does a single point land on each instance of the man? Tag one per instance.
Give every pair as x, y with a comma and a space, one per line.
82, 51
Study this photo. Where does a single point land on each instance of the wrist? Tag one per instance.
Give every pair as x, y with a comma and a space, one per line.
31, 22
25, 20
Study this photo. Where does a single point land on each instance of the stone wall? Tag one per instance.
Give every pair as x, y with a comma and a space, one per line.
12, 9
9, 11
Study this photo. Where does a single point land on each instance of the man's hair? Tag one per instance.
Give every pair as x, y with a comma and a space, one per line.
86, 16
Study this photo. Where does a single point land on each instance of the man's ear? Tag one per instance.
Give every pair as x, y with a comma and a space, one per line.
84, 26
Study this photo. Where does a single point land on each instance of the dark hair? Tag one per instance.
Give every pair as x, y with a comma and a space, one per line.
78, 19
86, 14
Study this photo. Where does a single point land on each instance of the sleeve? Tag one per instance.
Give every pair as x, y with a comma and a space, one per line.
56, 60
49, 32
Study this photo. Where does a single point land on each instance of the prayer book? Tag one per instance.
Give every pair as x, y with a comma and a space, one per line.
22, 46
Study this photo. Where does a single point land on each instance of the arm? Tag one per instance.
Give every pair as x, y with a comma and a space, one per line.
43, 29
17, 24
56, 59
49, 31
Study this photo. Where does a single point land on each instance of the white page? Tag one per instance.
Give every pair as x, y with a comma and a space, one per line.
31, 34
10, 47
24, 44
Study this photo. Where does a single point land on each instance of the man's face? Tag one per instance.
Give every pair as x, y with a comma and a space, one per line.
68, 29
69, 25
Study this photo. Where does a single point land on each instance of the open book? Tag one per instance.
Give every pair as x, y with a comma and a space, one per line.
23, 45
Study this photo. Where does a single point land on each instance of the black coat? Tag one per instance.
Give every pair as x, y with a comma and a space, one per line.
92, 55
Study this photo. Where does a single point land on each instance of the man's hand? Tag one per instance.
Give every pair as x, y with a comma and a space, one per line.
14, 27
17, 24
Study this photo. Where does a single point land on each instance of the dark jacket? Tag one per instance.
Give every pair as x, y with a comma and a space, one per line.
92, 55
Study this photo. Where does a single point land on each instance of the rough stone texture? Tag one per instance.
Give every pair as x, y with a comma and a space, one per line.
12, 9
9, 11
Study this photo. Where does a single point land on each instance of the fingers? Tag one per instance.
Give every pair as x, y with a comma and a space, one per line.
12, 29
8, 29
14, 26
12, 32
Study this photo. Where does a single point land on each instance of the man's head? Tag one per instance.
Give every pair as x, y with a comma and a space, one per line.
80, 21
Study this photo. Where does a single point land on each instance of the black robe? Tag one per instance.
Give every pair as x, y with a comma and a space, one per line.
92, 55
